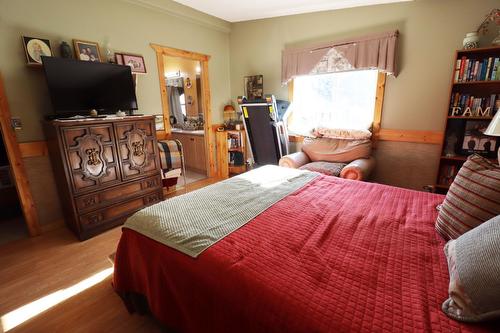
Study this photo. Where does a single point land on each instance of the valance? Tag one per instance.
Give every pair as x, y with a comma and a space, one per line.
368, 52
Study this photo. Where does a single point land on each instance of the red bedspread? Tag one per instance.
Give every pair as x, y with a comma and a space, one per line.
335, 256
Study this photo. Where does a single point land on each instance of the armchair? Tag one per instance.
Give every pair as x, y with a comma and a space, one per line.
350, 159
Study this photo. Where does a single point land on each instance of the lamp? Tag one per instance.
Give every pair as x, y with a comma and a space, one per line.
494, 129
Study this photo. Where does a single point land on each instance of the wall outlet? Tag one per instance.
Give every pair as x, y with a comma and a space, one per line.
16, 123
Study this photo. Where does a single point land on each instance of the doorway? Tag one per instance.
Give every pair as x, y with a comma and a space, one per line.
12, 224
186, 116
185, 93
17, 173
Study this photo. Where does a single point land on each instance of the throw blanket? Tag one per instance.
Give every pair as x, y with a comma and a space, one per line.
195, 221
170, 154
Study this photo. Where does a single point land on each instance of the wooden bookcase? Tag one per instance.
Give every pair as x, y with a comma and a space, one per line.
467, 115
229, 143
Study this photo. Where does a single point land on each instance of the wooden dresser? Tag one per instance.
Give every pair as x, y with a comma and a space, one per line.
105, 169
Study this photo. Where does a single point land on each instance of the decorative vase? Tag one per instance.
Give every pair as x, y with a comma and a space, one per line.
496, 41
65, 50
471, 41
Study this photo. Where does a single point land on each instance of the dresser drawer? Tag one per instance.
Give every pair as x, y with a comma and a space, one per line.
91, 157
137, 148
107, 197
100, 218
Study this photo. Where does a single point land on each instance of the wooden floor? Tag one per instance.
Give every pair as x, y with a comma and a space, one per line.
53, 264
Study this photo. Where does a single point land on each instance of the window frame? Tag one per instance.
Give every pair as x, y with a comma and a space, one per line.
377, 114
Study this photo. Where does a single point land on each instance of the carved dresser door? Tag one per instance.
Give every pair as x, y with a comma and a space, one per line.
91, 157
137, 149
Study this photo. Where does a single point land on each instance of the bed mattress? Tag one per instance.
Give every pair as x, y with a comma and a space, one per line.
335, 256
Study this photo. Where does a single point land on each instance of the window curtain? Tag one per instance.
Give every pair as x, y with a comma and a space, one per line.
368, 52
174, 85
175, 104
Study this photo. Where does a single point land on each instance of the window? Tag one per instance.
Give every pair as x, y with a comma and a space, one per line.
343, 100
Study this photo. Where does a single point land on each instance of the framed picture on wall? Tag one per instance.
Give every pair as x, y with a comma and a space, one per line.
254, 86
87, 51
35, 48
135, 61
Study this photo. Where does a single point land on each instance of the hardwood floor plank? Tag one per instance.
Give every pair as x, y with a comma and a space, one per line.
33, 268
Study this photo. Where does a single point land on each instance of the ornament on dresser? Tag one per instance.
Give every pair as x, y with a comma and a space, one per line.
65, 50
471, 41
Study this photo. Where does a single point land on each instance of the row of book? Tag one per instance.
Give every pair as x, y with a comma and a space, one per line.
469, 70
234, 141
464, 101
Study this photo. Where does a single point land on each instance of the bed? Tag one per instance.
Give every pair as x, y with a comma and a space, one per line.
335, 255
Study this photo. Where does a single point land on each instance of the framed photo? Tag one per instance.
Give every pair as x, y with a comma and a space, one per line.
475, 141
159, 122
87, 51
135, 61
119, 58
35, 48
254, 86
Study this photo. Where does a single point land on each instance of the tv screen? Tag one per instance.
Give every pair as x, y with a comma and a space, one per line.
76, 86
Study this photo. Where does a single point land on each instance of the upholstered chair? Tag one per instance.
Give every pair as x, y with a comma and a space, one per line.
346, 156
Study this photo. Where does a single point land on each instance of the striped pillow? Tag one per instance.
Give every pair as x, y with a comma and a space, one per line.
473, 198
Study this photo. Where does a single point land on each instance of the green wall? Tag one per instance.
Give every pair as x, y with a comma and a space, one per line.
430, 32
128, 26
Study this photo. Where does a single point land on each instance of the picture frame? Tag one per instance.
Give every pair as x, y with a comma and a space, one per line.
474, 141
119, 58
135, 61
35, 48
87, 51
254, 86
159, 122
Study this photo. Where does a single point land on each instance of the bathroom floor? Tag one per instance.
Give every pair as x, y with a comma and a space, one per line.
191, 177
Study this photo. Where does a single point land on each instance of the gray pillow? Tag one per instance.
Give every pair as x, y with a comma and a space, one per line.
474, 266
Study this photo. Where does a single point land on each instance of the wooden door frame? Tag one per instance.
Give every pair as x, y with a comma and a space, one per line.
162, 51
17, 166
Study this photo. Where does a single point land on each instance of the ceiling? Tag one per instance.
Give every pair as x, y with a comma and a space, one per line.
244, 10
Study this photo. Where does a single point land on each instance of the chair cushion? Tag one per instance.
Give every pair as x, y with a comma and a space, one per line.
336, 150
327, 168
474, 266
473, 198
336, 133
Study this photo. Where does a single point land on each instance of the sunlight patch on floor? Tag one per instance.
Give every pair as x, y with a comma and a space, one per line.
30, 310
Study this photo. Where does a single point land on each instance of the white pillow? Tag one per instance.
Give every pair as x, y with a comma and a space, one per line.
474, 266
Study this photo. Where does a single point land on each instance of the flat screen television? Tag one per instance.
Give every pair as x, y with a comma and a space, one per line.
76, 86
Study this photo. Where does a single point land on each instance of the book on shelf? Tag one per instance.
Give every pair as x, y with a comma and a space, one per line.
494, 73
473, 70
234, 141
473, 106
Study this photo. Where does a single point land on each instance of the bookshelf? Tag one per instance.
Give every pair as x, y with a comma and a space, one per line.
474, 100
231, 152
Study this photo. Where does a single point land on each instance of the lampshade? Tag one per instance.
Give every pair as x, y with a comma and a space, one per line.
494, 126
